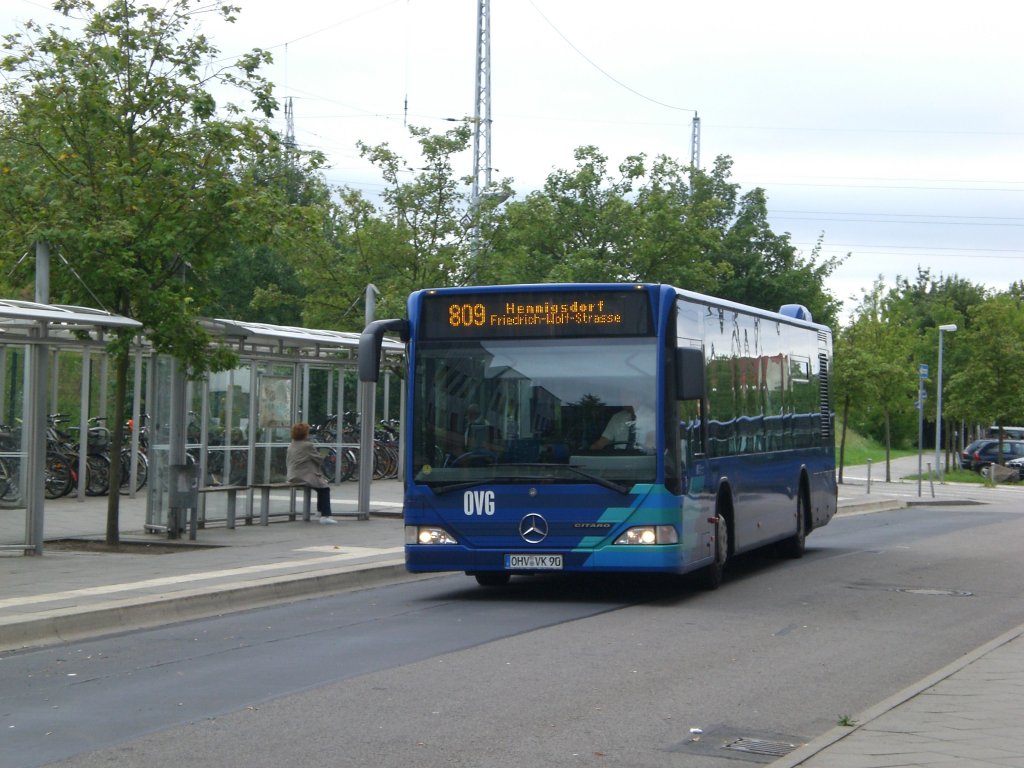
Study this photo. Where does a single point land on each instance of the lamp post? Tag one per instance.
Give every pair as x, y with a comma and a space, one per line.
938, 402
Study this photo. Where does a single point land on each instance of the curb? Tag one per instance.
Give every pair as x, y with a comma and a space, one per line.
809, 750
64, 625
867, 507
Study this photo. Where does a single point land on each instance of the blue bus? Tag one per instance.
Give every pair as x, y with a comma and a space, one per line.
608, 427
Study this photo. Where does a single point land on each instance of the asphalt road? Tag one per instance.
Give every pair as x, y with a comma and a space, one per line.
550, 671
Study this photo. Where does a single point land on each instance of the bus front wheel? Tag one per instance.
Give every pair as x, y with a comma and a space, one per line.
711, 577
793, 547
492, 578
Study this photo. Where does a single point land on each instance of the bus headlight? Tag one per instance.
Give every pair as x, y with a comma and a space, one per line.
650, 534
426, 534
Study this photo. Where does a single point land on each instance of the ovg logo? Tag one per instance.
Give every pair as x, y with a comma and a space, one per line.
478, 503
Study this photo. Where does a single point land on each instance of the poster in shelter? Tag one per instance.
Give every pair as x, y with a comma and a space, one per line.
275, 402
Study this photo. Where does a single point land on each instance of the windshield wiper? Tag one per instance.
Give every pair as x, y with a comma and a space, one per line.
461, 486
599, 480
449, 487
604, 482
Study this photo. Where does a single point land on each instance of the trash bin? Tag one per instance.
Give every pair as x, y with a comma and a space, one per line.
183, 500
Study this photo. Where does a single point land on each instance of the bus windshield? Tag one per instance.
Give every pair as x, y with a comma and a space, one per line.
544, 410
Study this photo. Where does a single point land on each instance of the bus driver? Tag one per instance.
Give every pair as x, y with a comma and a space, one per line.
631, 427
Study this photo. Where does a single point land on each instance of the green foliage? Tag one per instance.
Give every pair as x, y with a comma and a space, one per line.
895, 330
114, 150
114, 153
875, 367
415, 240
658, 223
989, 388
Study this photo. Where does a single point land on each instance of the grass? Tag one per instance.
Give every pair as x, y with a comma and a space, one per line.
859, 449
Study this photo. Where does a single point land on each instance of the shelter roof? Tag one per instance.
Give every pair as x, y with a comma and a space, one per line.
17, 318
257, 337
72, 324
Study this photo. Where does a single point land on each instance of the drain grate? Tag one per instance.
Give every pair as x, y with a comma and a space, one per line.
760, 747
749, 745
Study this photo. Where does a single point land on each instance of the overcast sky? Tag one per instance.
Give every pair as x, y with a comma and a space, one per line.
894, 129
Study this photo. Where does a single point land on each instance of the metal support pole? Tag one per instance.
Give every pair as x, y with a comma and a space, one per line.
36, 442
176, 441
136, 422
367, 410
83, 423
920, 431
938, 402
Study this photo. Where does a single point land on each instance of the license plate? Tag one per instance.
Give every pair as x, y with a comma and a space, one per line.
533, 562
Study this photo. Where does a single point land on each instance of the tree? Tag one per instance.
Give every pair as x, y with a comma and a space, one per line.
920, 306
658, 222
115, 151
876, 369
988, 388
578, 228
260, 281
766, 269
416, 238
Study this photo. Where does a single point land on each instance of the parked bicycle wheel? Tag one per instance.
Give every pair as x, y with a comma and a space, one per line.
141, 469
59, 477
330, 464
97, 475
9, 490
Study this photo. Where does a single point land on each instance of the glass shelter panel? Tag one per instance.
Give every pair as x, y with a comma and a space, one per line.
13, 449
275, 410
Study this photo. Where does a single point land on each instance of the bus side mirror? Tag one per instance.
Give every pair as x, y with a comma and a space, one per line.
370, 342
689, 374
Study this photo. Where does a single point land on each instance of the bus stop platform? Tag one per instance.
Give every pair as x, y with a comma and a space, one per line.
73, 591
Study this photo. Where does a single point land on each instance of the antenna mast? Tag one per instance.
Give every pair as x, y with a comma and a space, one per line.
482, 99
289, 125
695, 142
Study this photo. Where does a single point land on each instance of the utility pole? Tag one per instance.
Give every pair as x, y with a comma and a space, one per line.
289, 125
481, 117
695, 142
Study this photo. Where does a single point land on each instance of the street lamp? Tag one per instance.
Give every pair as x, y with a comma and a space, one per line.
938, 402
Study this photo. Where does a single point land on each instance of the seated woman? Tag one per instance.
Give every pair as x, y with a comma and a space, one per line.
305, 465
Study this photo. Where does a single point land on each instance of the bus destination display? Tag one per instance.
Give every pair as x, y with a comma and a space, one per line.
519, 314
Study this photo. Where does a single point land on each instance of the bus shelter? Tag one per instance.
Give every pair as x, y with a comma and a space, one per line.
32, 336
232, 428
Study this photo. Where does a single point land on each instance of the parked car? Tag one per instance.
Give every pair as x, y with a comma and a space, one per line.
968, 453
1017, 464
1009, 433
987, 453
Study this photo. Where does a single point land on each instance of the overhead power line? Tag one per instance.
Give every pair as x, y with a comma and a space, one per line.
604, 72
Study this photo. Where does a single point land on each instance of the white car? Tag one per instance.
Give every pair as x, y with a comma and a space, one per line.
1017, 464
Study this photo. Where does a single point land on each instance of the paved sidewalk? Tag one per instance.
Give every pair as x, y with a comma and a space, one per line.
68, 593
968, 714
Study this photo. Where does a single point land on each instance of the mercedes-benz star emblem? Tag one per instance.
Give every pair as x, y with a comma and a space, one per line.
533, 528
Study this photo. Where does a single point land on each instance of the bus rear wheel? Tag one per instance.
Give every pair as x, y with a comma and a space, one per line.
793, 547
492, 578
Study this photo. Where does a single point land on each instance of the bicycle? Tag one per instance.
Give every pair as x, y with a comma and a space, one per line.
97, 464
